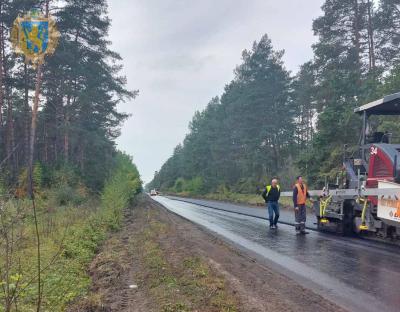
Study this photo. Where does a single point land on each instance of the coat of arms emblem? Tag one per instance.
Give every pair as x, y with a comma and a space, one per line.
35, 36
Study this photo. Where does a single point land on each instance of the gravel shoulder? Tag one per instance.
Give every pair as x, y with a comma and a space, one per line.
161, 262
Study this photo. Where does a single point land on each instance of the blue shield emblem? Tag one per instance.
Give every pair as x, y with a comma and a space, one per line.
34, 36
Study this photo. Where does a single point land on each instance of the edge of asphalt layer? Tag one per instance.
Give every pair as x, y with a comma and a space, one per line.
344, 298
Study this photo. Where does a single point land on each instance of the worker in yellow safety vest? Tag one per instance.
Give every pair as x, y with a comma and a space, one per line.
271, 195
300, 195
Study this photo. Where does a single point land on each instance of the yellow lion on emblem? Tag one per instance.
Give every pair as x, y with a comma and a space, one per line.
35, 38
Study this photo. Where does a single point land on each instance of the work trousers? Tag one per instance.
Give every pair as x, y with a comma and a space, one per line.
273, 208
300, 216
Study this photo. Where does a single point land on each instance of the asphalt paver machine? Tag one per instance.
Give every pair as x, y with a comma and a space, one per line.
365, 199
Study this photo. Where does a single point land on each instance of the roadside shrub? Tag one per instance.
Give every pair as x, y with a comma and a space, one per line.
82, 241
65, 195
3, 189
37, 177
64, 176
246, 186
194, 186
179, 185
120, 190
222, 189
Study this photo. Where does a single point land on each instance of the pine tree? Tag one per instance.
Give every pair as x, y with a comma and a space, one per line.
303, 96
387, 24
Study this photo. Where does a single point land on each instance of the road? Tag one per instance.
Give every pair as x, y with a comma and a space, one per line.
286, 216
353, 273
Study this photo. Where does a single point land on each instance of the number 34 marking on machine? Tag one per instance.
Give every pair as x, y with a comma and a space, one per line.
374, 150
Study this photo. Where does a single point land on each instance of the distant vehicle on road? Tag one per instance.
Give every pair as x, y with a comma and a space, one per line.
153, 193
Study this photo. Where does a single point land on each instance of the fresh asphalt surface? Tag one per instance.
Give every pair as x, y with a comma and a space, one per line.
355, 274
286, 216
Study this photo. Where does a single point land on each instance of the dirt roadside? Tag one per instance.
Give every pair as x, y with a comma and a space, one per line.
177, 266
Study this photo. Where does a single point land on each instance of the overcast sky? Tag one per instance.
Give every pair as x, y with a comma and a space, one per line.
180, 54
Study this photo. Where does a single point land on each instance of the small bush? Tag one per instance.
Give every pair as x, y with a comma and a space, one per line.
65, 176
65, 195
194, 186
179, 185
119, 191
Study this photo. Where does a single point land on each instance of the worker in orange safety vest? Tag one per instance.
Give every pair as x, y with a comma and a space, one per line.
300, 195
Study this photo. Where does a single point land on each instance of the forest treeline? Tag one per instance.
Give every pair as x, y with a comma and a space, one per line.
81, 87
269, 122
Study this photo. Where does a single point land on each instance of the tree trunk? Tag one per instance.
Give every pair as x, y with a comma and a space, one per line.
371, 43
34, 117
46, 143
356, 28
27, 116
81, 158
55, 129
275, 152
72, 89
357, 42
1, 68
66, 136
311, 127
34, 122
10, 118
66, 125
10, 133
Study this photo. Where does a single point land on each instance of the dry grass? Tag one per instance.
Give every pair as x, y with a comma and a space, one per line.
184, 283
170, 278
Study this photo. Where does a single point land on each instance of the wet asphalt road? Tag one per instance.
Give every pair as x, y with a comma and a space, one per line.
286, 215
355, 274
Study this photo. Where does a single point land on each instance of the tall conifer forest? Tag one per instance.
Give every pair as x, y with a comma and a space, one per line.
78, 120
